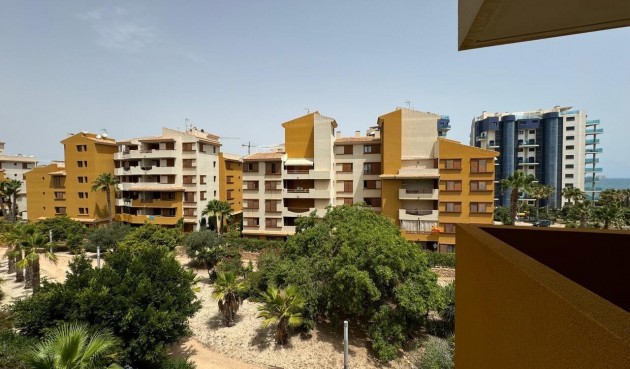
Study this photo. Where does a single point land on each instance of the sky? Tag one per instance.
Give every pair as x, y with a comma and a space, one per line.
239, 69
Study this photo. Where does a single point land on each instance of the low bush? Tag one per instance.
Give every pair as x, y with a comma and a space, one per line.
446, 260
178, 364
438, 354
253, 244
12, 348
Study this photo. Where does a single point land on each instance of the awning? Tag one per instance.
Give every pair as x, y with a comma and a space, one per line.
298, 162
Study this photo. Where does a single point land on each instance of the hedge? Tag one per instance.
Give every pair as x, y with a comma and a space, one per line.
446, 260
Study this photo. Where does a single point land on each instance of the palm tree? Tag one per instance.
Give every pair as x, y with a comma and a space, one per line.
104, 183
14, 239
582, 212
540, 191
4, 197
227, 290
283, 307
218, 209
33, 244
518, 182
71, 346
573, 194
609, 214
11, 190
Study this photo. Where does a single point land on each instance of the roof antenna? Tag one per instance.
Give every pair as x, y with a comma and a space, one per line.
408, 102
308, 110
186, 120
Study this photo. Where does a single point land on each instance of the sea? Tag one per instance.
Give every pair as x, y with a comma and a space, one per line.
614, 183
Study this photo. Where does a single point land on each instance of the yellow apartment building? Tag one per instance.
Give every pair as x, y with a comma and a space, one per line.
231, 183
47, 191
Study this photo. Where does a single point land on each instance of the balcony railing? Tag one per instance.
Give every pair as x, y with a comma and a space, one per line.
594, 170
298, 210
592, 161
594, 151
592, 142
593, 131
296, 171
298, 190
418, 212
592, 122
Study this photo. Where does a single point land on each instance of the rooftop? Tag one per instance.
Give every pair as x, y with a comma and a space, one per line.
264, 156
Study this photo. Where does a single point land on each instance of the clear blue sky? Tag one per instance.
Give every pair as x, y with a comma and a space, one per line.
240, 68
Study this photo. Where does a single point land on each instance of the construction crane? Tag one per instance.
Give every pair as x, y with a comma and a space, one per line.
249, 147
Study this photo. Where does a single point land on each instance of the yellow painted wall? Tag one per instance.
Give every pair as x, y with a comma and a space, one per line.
41, 193
237, 173
449, 149
2, 177
299, 137
514, 312
100, 158
142, 219
391, 128
389, 198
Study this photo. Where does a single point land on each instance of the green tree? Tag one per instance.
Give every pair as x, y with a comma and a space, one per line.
438, 354
517, 182
105, 182
11, 190
72, 347
227, 291
206, 248
108, 238
573, 194
62, 228
142, 294
580, 213
219, 210
609, 215
502, 214
540, 192
33, 244
4, 199
154, 235
283, 308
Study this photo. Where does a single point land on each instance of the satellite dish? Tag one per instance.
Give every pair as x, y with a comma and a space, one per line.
98, 136
84, 132
104, 135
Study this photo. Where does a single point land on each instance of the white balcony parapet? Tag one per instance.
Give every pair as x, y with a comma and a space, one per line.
408, 194
414, 214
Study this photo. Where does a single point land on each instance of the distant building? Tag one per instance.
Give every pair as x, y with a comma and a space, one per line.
15, 167
401, 168
560, 147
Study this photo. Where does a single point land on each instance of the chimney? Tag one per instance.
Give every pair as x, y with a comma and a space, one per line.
357, 133
338, 134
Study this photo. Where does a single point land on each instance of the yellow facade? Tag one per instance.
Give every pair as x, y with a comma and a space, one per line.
46, 192
86, 157
299, 137
231, 182
391, 136
2, 177
453, 150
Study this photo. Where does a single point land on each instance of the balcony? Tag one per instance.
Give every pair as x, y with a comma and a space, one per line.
305, 193
594, 131
148, 186
302, 212
142, 219
528, 143
415, 214
594, 151
141, 154
305, 174
529, 162
593, 170
592, 141
592, 122
421, 194
526, 300
592, 189
590, 179
592, 161
492, 144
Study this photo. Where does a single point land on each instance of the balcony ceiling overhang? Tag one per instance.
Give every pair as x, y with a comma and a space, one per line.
298, 162
485, 23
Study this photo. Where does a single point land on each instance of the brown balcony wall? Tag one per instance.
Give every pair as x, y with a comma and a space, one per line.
550, 298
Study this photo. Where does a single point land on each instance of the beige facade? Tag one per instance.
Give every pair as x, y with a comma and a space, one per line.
15, 167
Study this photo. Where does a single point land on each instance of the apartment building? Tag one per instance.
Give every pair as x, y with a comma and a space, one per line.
173, 176
15, 167
403, 168
66, 189
559, 146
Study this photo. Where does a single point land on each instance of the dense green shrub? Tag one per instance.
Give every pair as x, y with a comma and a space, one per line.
107, 237
437, 259
154, 235
12, 348
62, 228
438, 354
253, 244
178, 364
354, 263
141, 294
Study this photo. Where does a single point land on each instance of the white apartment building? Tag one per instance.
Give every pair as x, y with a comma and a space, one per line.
14, 167
168, 177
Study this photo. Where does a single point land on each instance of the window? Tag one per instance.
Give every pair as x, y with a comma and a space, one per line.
230, 179
251, 222
479, 186
201, 147
347, 200
479, 207
568, 176
83, 211
452, 164
167, 195
450, 248
272, 168
189, 179
271, 223
215, 193
452, 185
81, 148
271, 206
570, 128
250, 167
570, 138
570, 147
371, 185
60, 195
214, 149
188, 163
521, 132
202, 195
372, 168
214, 179
250, 185
453, 207
346, 167
251, 204
532, 132
569, 185
347, 149
214, 164
449, 227
230, 194
82, 164
202, 179
83, 195
60, 210
189, 212
569, 166
371, 149
189, 197
188, 146
347, 186
569, 157
82, 179
570, 119
478, 166
374, 202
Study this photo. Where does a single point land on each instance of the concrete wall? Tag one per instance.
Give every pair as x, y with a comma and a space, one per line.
536, 301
